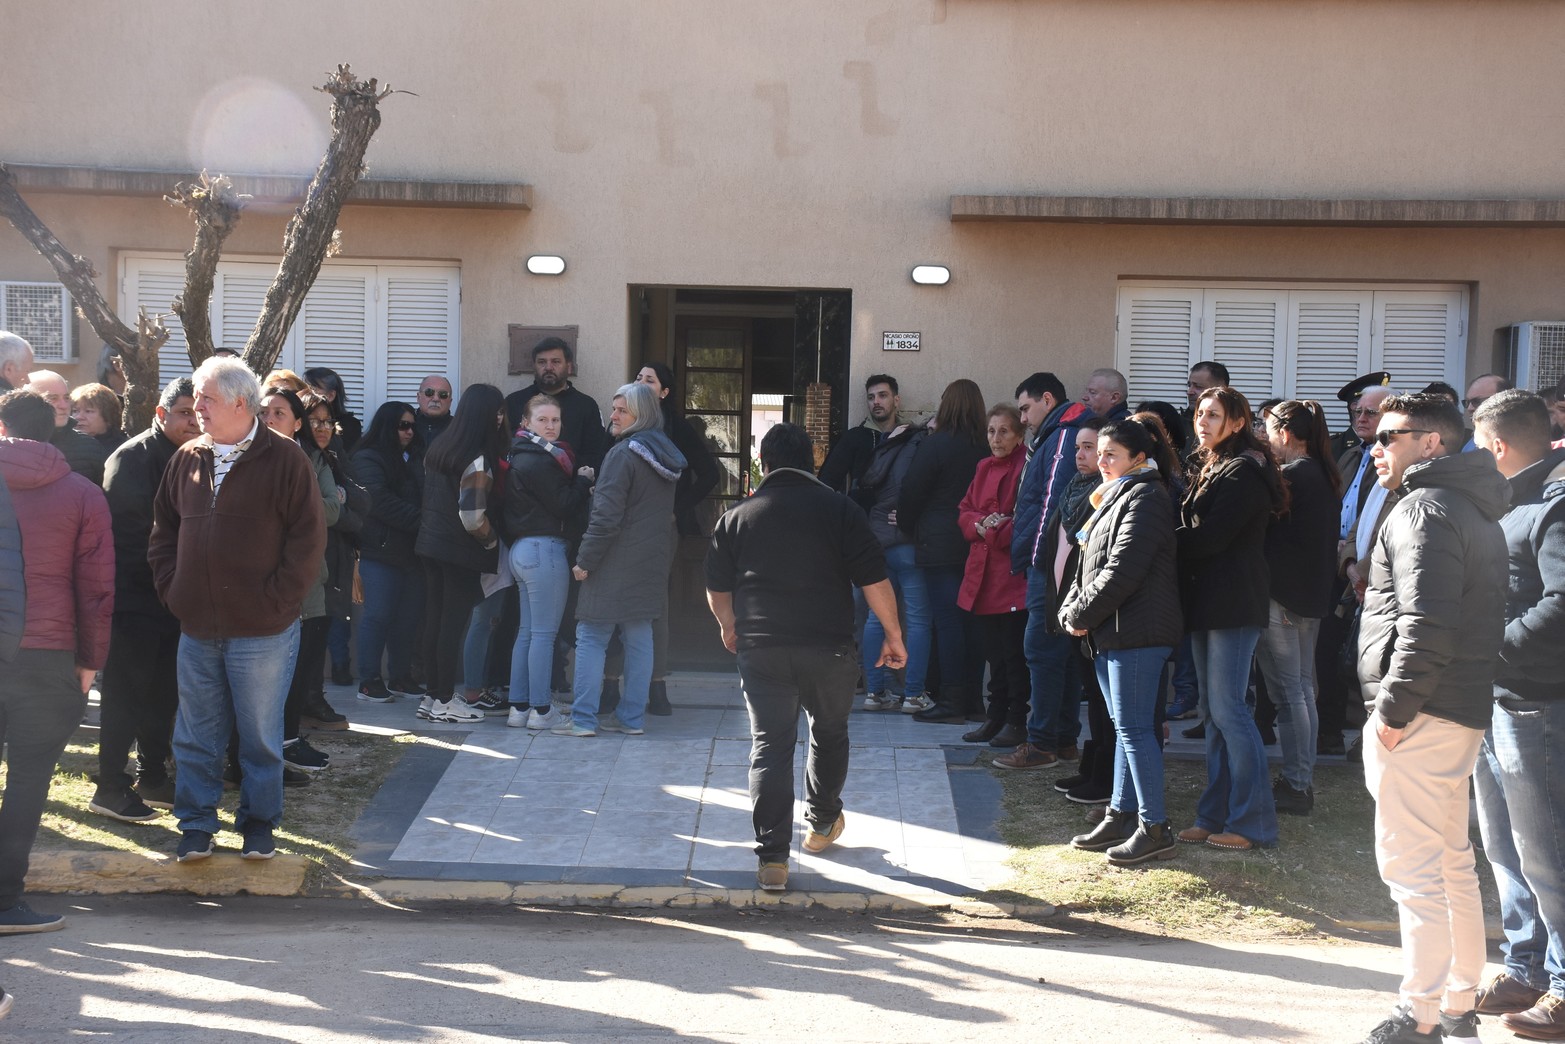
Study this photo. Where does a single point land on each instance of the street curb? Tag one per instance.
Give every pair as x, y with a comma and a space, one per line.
124, 873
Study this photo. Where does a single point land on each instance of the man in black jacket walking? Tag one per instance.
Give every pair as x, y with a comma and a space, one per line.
1431, 629
140, 683
1520, 778
779, 576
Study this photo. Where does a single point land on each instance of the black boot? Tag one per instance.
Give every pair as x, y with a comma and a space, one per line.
1290, 801
610, 698
1010, 736
983, 733
1150, 841
657, 700
1113, 828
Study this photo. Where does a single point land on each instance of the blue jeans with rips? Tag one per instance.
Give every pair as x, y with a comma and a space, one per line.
1286, 656
913, 596
1132, 683
1238, 795
592, 644
543, 579
1054, 713
1520, 780
227, 684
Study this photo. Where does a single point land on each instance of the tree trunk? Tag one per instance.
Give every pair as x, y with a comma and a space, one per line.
215, 206
138, 352
311, 235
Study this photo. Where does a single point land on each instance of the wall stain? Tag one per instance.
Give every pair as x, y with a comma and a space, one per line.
874, 122
662, 105
566, 137
882, 28
775, 94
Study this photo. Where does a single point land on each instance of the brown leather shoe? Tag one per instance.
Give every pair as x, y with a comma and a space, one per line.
1504, 994
1232, 842
1070, 753
1543, 1021
1194, 835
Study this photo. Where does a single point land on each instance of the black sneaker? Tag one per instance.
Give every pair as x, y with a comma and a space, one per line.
1065, 783
299, 754
374, 691
1460, 1028
1401, 1028
1087, 794
157, 794
125, 806
293, 777
406, 687
193, 845
258, 843
22, 919
1290, 800
491, 700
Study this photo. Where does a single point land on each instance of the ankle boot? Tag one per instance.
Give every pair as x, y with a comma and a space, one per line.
1114, 827
983, 734
1010, 736
1150, 841
657, 700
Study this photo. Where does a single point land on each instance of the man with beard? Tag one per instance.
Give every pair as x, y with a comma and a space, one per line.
581, 422
845, 465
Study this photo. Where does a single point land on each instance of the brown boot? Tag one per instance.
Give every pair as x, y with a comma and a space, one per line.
1543, 1021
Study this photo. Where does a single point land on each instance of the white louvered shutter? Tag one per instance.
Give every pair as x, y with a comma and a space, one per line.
1245, 331
1329, 340
335, 326
421, 332
152, 284
1157, 339
1417, 337
236, 304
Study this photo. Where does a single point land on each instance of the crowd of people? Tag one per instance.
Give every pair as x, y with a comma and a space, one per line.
994, 565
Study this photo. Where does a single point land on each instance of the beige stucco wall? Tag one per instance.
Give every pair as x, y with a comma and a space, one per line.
742, 143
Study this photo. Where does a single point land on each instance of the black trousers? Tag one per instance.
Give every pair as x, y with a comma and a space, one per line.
1332, 693
450, 593
309, 672
140, 698
778, 682
1010, 683
41, 703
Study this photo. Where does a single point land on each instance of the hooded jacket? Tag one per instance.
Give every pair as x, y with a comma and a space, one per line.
68, 543
13, 580
625, 550
1050, 466
1532, 657
1434, 611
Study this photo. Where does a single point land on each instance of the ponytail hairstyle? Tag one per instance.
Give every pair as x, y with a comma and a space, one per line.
1137, 439
1305, 420
1163, 453
1244, 442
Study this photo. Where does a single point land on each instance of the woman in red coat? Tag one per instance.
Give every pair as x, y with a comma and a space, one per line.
989, 590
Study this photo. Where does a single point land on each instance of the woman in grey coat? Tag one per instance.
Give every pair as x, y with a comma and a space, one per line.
623, 561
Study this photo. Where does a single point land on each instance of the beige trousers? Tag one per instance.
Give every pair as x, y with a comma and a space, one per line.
1426, 859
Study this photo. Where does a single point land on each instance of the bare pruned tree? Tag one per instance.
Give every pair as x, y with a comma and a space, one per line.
311, 236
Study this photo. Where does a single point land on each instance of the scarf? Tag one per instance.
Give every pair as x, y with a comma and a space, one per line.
560, 451
1101, 493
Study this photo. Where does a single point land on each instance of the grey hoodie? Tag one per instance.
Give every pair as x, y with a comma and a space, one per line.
1434, 612
626, 548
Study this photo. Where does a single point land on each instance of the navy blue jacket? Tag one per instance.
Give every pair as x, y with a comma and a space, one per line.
1532, 658
1051, 466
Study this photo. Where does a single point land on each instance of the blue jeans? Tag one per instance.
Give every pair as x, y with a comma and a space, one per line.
480, 631
543, 579
337, 641
1054, 714
1131, 680
393, 607
1286, 655
1238, 795
956, 631
1520, 780
913, 596
227, 684
1187, 691
592, 643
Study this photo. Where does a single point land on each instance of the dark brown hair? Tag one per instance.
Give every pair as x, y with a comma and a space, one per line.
1241, 443
961, 411
1305, 420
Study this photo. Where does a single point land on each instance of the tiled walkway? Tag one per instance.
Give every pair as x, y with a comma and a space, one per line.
672, 807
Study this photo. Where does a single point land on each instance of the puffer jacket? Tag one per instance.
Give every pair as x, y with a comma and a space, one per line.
396, 494
1434, 612
880, 487
988, 586
1125, 593
1223, 578
625, 549
450, 502
540, 498
1050, 466
942, 469
69, 545
1532, 658
13, 580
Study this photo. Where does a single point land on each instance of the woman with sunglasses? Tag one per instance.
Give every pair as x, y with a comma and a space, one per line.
386, 464
1225, 591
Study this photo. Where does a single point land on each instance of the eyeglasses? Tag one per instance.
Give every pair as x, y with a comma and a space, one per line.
1473, 404
435, 393
327, 425
1370, 412
1385, 437
405, 425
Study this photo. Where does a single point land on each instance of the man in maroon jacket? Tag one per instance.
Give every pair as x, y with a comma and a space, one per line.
68, 551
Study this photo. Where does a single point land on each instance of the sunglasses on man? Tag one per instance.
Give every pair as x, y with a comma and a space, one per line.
1385, 437
435, 393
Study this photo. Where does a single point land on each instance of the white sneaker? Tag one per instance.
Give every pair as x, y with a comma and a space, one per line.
516, 718
546, 720
611, 723
426, 708
881, 701
455, 710
914, 704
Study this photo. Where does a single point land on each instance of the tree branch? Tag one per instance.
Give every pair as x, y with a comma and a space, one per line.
311, 233
214, 206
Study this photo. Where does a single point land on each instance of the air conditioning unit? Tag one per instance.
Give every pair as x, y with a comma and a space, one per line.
1537, 354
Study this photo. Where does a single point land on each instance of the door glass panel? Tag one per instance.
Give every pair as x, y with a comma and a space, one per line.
714, 348
720, 431
730, 477
714, 391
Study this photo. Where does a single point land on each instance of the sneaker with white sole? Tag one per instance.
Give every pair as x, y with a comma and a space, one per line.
552, 718
881, 701
455, 711
516, 718
913, 704
299, 754
490, 700
570, 728
611, 723
426, 708
374, 691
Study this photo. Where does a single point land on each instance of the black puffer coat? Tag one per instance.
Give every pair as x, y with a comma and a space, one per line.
1531, 657
539, 498
933, 488
1125, 592
1434, 612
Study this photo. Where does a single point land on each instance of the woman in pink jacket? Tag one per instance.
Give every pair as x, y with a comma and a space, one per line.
989, 590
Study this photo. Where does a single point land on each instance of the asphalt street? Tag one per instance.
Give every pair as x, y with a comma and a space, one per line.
172, 969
